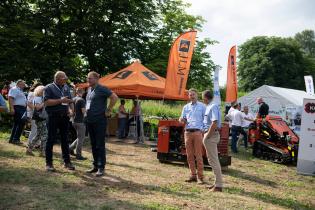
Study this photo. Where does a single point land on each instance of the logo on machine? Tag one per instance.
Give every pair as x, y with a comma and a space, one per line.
310, 108
122, 74
184, 45
164, 129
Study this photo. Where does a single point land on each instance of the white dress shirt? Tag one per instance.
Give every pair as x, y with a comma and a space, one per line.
247, 122
236, 117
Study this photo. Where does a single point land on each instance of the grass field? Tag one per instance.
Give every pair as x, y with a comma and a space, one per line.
136, 180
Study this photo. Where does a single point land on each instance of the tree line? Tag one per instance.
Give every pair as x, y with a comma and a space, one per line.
39, 36
76, 36
277, 61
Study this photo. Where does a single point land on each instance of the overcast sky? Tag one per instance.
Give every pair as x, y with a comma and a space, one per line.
234, 21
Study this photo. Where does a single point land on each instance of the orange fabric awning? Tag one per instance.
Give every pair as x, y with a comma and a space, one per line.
135, 81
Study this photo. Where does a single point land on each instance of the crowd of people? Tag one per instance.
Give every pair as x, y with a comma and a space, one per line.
50, 107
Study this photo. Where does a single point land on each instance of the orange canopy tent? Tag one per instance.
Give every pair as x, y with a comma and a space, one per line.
135, 81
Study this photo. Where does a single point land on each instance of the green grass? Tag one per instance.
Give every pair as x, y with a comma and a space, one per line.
136, 180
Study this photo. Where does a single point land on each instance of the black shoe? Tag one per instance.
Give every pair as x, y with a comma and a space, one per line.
17, 142
93, 170
71, 152
80, 157
69, 166
100, 172
50, 168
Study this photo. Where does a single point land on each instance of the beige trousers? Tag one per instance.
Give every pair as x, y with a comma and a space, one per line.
211, 145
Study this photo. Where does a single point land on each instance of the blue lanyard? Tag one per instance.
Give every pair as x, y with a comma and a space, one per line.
59, 89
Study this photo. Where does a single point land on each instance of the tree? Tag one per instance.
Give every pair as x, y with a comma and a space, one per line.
306, 39
272, 61
173, 21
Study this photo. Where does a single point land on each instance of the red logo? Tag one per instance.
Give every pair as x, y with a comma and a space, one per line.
310, 108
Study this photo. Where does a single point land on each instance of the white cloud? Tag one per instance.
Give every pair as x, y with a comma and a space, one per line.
234, 21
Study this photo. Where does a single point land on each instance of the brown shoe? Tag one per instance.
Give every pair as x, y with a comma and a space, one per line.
191, 179
210, 187
200, 181
217, 189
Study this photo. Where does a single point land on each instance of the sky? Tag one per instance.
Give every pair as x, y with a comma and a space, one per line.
232, 22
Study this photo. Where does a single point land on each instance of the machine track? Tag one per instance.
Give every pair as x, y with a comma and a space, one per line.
269, 152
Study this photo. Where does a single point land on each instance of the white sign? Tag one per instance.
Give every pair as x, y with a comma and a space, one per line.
306, 155
309, 85
216, 88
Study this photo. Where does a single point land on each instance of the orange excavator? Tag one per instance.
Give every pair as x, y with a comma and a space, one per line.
272, 139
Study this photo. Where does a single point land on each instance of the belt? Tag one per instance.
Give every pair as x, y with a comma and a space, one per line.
192, 130
19, 106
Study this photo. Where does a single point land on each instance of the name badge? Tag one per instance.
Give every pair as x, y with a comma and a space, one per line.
88, 104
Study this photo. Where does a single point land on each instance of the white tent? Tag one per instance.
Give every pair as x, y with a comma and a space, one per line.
283, 102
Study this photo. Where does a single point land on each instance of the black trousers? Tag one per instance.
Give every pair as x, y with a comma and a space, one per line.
18, 124
57, 121
97, 132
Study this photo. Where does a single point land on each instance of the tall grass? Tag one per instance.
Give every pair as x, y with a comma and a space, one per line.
155, 108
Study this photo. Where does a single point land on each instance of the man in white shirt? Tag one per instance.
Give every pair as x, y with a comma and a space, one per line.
17, 105
236, 118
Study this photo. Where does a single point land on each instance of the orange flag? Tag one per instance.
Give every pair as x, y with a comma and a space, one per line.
231, 83
179, 65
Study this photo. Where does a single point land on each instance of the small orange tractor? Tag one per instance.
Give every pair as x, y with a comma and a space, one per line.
272, 139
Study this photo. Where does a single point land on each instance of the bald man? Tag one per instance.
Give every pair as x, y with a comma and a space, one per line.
263, 110
59, 107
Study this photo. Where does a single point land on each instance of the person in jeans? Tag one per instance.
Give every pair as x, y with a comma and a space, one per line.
59, 107
17, 105
193, 115
212, 124
237, 118
122, 120
42, 133
78, 124
30, 108
96, 112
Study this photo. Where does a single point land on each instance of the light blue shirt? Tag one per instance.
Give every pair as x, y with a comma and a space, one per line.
213, 113
2, 102
194, 114
18, 95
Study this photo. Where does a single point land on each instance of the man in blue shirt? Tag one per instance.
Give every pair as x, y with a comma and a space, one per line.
17, 104
96, 112
193, 115
212, 124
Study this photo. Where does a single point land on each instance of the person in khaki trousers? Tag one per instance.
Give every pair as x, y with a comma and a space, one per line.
212, 124
193, 116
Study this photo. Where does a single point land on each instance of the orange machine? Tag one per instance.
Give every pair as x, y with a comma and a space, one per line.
273, 139
171, 144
